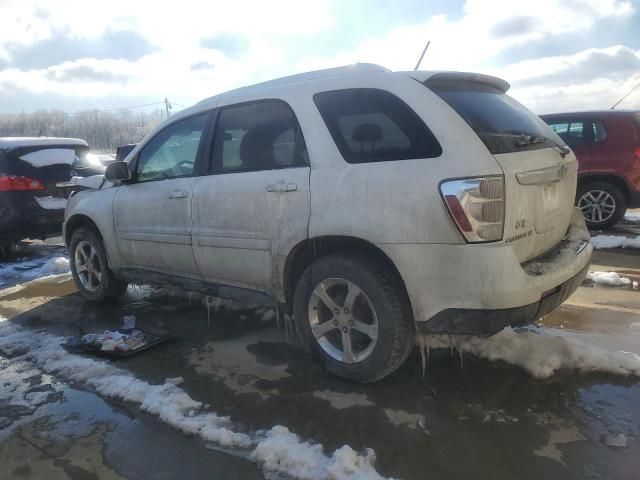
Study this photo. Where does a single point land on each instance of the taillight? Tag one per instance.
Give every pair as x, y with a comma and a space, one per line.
636, 152
476, 206
13, 183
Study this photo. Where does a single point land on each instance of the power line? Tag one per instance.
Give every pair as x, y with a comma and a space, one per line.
99, 111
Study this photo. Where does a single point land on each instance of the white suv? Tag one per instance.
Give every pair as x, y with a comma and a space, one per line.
371, 205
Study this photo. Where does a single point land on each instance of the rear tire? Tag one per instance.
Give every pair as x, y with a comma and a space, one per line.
602, 203
90, 269
343, 298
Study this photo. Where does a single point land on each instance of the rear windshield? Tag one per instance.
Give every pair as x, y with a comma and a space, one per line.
499, 120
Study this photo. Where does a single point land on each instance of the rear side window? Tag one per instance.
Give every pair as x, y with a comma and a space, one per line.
573, 132
499, 120
257, 136
371, 125
599, 131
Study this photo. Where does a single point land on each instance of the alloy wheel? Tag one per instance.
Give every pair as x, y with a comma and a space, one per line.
343, 320
597, 206
88, 266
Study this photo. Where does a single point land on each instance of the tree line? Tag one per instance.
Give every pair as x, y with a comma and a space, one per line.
103, 131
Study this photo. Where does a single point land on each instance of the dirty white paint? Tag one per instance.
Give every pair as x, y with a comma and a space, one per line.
51, 203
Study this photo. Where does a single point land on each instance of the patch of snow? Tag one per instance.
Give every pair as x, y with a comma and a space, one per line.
174, 380
632, 216
50, 156
50, 270
614, 241
541, 355
51, 203
340, 401
277, 451
617, 441
268, 315
612, 279
281, 452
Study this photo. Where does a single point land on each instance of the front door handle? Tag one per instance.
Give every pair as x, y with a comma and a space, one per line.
282, 187
178, 194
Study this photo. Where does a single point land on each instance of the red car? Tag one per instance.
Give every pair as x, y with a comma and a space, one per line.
607, 144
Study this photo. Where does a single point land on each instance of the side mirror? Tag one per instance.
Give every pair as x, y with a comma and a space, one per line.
117, 172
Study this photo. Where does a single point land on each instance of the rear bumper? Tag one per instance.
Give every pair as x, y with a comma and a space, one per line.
480, 289
488, 322
21, 217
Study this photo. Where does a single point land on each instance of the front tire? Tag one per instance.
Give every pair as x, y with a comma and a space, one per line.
90, 269
603, 204
353, 317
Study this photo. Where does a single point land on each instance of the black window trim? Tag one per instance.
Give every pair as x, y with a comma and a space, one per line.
340, 145
208, 166
133, 166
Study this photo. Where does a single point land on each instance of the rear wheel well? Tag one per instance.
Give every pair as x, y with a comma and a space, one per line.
612, 179
76, 222
307, 251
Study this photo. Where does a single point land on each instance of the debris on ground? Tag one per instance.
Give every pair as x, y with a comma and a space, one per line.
122, 342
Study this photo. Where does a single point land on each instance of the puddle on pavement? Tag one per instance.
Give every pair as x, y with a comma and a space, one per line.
483, 420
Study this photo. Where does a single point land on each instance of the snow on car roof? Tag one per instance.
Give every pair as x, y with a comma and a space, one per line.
15, 142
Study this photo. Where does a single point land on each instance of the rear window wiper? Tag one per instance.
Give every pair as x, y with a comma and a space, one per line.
526, 140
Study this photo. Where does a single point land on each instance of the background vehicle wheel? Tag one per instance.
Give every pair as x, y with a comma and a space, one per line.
602, 204
353, 317
94, 279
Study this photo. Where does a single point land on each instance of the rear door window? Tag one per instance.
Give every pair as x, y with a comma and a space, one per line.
571, 131
262, 135
371, 125
499, 120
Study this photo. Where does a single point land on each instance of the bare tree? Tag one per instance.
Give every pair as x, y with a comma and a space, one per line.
103, 131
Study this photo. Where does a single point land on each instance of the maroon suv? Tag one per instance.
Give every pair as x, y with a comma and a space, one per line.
607, 144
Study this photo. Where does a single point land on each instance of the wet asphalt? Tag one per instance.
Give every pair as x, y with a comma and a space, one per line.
469, 419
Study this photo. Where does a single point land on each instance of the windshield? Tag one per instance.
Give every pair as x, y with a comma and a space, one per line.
499, 120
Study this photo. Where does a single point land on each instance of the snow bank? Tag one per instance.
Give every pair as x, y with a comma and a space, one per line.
50, 156
50, 269
281, 452
632, 217
612, 279
614, 241
51, 203
277, 451
542, 355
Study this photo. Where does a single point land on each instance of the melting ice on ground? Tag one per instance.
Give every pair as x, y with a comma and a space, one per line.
612, 279
277, 451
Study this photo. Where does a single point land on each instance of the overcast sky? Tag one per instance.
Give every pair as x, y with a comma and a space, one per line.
81, 54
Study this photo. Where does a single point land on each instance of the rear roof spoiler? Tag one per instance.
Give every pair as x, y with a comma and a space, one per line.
427, 77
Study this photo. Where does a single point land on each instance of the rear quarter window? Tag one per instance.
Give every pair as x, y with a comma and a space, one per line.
372, 125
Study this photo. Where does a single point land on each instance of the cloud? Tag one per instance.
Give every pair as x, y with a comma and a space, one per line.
232, 45
591, 79
75, 73
513, 26
64, 46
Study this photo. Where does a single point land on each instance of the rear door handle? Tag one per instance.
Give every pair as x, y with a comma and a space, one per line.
282, 187
178, 194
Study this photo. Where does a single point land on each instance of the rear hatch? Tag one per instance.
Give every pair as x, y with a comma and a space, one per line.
48, 165
540, 172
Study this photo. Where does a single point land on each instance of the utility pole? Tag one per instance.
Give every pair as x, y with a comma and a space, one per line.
167, 106
422, 56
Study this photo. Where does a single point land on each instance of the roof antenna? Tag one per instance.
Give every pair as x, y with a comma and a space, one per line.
613, 107
422, 56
